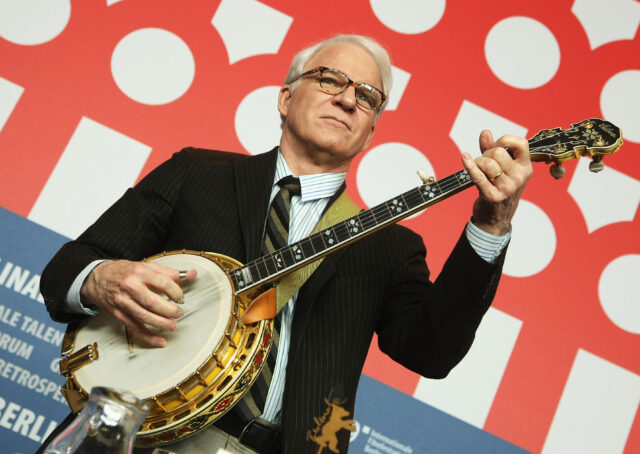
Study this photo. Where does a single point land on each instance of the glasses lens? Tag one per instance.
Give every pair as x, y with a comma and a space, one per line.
368, 97
332, 81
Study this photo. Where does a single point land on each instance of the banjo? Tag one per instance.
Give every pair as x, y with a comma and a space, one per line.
188, 391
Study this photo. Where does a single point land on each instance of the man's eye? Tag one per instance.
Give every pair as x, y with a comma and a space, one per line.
329, 81
366, 97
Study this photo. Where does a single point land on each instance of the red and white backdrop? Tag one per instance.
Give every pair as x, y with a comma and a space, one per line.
94, 94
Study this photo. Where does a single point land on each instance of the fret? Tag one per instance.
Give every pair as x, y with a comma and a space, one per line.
341, 231
382, 212
261, 269
440, 184
367, 220
406, 198
307, 248
270, 263
253, 269
373, 214
287, 256
413, 198
318, 242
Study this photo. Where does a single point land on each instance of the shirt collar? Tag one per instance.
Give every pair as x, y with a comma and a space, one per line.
314, 186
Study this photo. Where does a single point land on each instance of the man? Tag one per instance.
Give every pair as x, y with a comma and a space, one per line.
213, 201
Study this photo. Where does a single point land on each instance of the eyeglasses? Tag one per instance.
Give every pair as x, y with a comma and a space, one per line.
335, 82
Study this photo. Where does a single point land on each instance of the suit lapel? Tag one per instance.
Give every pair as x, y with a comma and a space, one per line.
254, 179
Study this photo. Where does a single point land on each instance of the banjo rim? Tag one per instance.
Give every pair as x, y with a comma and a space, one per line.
208, 392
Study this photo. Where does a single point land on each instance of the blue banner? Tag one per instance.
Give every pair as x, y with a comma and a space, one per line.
31, 405
391, 422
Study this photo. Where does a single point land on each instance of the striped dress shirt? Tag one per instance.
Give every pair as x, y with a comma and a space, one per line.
305, 212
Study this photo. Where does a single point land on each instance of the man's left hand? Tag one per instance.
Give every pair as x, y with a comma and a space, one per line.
500, 180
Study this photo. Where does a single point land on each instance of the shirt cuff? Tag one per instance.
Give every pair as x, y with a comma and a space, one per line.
74, 301
486, 245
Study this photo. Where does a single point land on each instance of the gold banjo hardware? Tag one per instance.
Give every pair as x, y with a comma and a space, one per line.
224, 373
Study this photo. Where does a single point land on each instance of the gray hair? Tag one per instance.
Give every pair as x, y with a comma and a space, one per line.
378, 53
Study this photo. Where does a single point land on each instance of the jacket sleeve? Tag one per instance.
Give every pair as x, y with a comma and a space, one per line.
429, 327
134, 227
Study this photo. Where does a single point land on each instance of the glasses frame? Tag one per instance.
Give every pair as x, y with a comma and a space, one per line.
350, 83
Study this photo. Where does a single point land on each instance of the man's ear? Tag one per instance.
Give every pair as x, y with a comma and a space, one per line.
283, 100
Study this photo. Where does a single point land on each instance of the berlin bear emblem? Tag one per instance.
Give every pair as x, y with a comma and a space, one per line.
332, 420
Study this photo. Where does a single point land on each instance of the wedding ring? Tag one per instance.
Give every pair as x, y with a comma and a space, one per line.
182, 277
496, 177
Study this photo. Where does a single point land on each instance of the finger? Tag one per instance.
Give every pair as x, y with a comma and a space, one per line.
486, 140
478, 176
173, 273
516, 166
184, 276
148, 310
519, 147
162, 280
497, 160
180, 277
137, 327
490, 167
144, 335
139, 289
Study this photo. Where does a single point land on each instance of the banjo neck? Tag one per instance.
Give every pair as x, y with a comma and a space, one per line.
274, 265
592, 137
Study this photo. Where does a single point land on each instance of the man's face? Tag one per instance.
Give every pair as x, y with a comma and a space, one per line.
329, 129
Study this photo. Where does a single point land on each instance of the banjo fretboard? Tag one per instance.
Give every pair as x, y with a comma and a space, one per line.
295, 255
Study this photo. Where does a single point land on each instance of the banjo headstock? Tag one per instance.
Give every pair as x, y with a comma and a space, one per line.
591, 137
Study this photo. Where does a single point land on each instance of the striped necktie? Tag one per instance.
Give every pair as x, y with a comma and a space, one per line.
276, 236
277, 230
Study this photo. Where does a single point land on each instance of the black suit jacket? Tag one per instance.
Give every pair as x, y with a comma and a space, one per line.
216, 201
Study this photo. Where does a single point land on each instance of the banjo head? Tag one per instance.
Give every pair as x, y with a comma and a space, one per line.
209, 362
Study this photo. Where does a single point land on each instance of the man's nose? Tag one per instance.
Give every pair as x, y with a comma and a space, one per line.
347, 98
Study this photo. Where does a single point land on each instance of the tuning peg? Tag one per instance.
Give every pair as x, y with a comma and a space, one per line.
557, 171
425, 179
596, 165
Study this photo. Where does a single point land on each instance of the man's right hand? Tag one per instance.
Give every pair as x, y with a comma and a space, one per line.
132, 293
